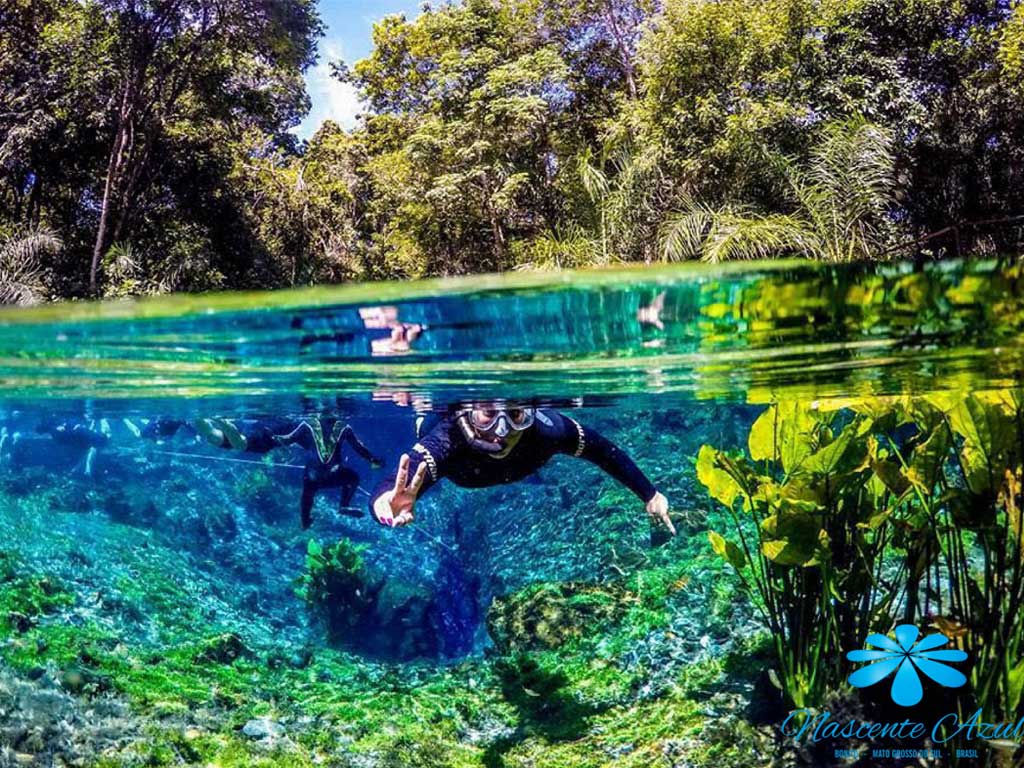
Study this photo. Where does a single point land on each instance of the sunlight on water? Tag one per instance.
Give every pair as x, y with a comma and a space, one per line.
742, 333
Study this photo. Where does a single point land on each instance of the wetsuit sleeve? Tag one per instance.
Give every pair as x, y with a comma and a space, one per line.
589, 444
435, 450
349, 434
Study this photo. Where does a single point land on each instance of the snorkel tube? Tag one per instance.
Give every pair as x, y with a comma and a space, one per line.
472, 438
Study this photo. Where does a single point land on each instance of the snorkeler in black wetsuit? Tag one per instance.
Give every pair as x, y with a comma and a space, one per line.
324, 438
78, 434
491, 444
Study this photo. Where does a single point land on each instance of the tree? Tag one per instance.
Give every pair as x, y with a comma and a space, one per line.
839, 205
303, 210
189, 61
467, 104
729, 85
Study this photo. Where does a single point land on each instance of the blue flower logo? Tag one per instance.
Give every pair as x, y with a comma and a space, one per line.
905, 657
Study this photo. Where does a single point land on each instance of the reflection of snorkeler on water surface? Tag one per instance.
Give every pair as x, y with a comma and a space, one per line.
323, 438
402, 335
398, 339
490, 444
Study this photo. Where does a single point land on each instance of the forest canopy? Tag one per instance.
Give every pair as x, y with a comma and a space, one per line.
147, 145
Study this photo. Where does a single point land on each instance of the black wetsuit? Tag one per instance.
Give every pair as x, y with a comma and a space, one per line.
161, 428
78, 435
75, 433
447, 453
325, 439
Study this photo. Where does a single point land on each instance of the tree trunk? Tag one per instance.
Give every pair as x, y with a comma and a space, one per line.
496, 231
114, 167
125, 203
621, 48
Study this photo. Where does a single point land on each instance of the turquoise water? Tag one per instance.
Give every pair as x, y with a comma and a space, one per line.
164, 606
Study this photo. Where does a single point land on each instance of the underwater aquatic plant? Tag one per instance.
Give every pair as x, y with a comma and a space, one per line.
334, 584
850, 512
803, 527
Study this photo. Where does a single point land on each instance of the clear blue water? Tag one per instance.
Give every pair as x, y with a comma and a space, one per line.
661, 361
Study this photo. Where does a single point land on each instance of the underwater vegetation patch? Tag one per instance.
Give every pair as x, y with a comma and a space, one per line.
852, 515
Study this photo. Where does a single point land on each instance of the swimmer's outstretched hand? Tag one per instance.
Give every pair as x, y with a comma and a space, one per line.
395, 507
657, 510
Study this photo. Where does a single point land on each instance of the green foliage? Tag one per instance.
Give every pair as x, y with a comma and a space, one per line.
532, 134
22, 264
1011, 49
802, 538
334, 583
839, 527
124, 123
24, 599
838, 203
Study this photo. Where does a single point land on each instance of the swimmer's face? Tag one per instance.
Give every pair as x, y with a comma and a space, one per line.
507, 443
500, 426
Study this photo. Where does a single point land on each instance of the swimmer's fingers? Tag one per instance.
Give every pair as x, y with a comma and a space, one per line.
403, 473
417, 479
404, 518
657, 509
382, 511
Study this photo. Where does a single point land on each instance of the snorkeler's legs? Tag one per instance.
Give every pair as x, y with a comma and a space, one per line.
306, 504
221, 433
211, 433
319, 476
349, 484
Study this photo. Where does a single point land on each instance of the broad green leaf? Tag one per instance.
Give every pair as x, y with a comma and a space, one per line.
842, 455
719, 483
988, 432
944, 402
313, 549
783, 434
727, 550
876, 520
924, 467
1016, 687
791, 536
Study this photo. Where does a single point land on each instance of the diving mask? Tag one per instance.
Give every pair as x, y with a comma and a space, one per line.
500, 420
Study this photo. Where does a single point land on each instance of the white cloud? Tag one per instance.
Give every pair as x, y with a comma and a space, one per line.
332, 100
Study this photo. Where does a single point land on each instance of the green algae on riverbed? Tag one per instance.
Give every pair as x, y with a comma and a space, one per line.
136, 623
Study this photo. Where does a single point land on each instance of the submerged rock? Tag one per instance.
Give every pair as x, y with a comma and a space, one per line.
40, 724
263, 728
549, 615
223, 649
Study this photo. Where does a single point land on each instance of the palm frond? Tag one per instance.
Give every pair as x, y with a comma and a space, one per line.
852, 173
568, 248
750, 236
595, 182
839, 203
22, 265
683, 234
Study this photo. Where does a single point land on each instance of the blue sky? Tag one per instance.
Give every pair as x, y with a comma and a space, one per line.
349, 24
